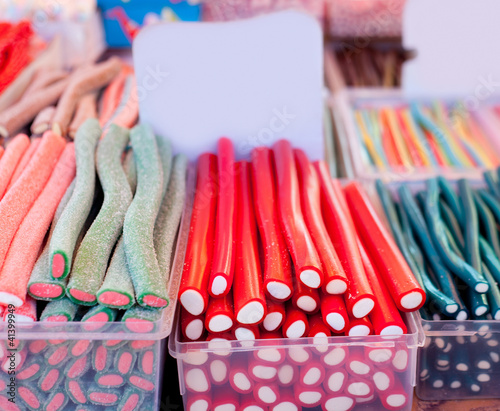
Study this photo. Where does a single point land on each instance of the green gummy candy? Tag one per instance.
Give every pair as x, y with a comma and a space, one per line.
169, 217
129, 391
95, 250
141, 319
130, 170
64, 307
138, 229
41, 278
165, 150
117, 291
72, 220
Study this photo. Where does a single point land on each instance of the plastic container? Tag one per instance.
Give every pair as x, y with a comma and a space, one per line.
460, 360
309, 372
343, 103
96, 364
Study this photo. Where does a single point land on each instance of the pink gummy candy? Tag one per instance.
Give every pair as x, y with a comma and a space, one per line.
10, 159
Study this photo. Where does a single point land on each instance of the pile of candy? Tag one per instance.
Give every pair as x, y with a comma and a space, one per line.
345, 270
416, 136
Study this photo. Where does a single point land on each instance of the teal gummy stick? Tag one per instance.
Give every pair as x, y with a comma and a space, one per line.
141, 319
72, 220
130, 170
451, 221
444, 302
488, 223
56, 310
95, 250
467, 272
412, 218
42, 286
490, 258
450, 197
492, 183
493, 294
165, 150
471, 230
169, 217
138, 229
492, 202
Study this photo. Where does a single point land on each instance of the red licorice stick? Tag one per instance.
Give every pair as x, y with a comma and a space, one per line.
275, 316
359, 297
286, 401
266, 394
335, 358
334, 312
262, 372
288, 374
193, 292
197, 379
319, 332
249, 300
268, 352
400, 361
335, 280
218, 369
305, 298
383, 378
247, 334
357, 364
379, 354
335, 380
296, 324
359, 327
366, 400
312, 374
239, 375
308, 396
196, 402
300, 244
395, 398
192, 326
359, 387
277, 270
385, 317
221, 277
299, 355
219, 316
393, 268
338, 401
224, 399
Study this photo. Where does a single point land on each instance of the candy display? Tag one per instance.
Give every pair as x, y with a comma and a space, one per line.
405, 136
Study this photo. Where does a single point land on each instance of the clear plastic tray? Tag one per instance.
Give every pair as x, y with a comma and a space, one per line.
460, 360
47, 356
213, 362
343, 102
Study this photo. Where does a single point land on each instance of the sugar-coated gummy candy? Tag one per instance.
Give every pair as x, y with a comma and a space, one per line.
69, 226
92, 257
138, 229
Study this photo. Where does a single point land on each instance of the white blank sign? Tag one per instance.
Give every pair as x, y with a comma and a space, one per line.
255, 81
